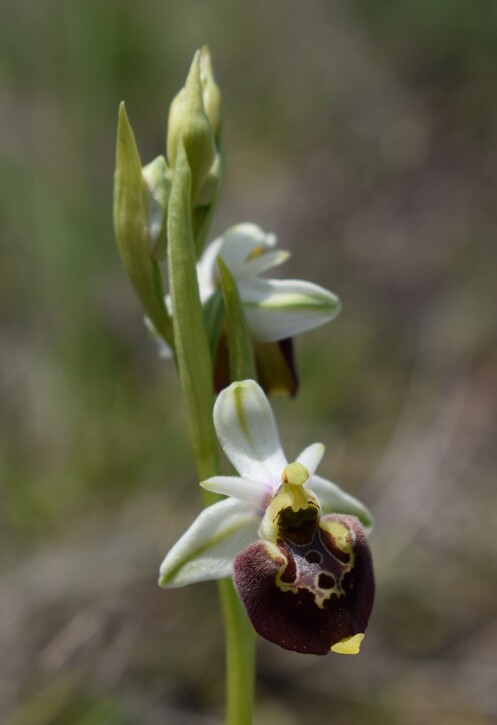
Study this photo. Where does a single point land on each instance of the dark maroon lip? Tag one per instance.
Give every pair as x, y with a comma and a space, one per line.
308, 595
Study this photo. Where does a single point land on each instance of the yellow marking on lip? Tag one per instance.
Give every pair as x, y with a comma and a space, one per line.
349, 645
341, 536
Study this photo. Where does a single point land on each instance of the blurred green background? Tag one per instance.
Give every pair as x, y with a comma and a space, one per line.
365, 135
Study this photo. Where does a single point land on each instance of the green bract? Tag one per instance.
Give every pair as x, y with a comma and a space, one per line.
191, 345
137, 231
240, 353
142, 195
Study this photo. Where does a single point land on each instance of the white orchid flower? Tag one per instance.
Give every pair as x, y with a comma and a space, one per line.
275, 309
294, 542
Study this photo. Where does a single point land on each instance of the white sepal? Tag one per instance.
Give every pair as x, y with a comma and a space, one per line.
334, 500
311, 457
255, 493
277, 309
246, 429
262, 262
207, 549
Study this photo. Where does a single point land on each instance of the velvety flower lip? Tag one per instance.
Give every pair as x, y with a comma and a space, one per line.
294, 542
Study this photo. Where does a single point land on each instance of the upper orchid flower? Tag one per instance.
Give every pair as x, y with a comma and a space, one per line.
293, 541
275, 309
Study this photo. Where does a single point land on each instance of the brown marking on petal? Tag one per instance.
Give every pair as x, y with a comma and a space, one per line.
313, 557
326, 581
321, 574
339, 536
283, 592
288, 570
332, 547
276, 370
288, 353
275, 365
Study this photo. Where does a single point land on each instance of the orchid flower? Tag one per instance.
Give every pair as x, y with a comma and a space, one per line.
294, 542
276, 310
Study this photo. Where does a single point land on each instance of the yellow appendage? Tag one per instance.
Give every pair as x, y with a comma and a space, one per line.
349, 645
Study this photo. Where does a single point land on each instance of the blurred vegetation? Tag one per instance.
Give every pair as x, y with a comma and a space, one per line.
365, 135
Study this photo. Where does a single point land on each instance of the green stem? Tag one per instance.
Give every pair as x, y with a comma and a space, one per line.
240, 637
195, 373
238, 632
240, 657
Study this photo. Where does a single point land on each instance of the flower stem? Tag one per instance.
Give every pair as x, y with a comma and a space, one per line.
238, 633
240, 657
195, 373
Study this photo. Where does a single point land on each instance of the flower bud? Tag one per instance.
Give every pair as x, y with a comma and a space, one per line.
211, 93
190, 125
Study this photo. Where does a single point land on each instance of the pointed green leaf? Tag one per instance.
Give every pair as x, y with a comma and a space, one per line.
131, 228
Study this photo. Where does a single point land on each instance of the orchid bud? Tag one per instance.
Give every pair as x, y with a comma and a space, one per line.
211, 93
190, 125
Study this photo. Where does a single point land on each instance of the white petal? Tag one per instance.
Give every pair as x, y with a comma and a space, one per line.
250, 233
262, 262
334, 500
207, 549
255, 493
239, 242
207, 268
247, 432
311, 457
277, 309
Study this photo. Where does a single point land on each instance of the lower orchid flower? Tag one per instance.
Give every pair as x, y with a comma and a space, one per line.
294, 542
